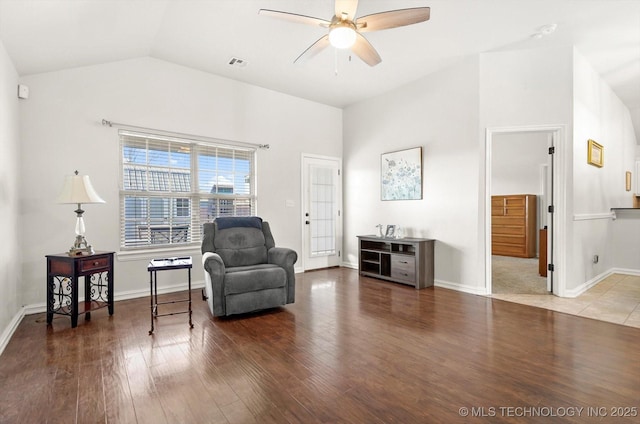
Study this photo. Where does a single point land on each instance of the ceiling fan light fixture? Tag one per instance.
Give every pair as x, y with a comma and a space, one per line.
342, 36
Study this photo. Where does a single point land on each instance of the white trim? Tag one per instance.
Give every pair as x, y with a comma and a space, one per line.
147, 254
562, 151
587, 285
626, 271
461, 287
593, 216
349, 265
134, 294
440, 283
10, 329
37, 308
303, 197
595, 280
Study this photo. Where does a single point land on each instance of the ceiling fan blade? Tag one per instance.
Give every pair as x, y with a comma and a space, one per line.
365, 51
295, 18
313, 49
346, 9
393, 19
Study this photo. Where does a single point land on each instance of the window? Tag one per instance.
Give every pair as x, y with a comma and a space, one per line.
170, 186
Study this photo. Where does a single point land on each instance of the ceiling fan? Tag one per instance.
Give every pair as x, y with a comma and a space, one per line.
345, 30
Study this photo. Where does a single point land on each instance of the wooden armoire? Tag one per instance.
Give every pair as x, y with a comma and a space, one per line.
513, 225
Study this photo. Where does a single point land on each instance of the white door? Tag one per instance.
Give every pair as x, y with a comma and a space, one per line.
322, 204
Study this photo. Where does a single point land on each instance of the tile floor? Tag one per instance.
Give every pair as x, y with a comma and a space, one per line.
615, 299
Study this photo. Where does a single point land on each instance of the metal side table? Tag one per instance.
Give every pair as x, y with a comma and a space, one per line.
166, 264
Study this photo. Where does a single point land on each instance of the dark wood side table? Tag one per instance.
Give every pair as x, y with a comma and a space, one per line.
63, 272
156, 265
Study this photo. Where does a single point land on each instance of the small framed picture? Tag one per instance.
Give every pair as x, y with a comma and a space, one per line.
391, 231
627, 181
595, 154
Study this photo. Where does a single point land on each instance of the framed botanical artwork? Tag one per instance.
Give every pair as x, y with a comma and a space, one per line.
627, 181
595, 154
401, 175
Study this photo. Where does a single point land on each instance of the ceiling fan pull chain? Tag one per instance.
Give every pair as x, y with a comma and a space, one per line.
335, 62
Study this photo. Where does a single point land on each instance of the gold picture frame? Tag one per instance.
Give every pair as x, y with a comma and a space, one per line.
595, 154
627, 181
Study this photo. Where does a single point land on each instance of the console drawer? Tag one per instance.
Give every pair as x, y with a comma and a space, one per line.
403, 267
91, 264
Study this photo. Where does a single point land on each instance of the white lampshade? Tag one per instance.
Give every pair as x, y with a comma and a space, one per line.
78, 189
342, 37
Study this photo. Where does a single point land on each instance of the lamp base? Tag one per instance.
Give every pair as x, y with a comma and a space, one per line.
81, 247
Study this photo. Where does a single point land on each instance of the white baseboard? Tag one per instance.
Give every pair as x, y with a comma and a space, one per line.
11, 328
37, 308
586, 285
626, 271
439, 283
134, 294
349, 265
481, 291
595, 280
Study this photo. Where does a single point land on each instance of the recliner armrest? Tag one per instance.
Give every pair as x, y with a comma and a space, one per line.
212, 263
285, 258
215, 270
282, 256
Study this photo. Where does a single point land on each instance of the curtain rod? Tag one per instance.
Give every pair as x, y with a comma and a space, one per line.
107, 123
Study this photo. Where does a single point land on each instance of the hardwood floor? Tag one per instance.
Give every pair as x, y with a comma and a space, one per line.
350, 350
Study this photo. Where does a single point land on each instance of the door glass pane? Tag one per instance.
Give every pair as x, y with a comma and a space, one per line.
323, 206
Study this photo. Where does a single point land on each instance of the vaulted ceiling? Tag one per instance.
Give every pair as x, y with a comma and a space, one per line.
48, 35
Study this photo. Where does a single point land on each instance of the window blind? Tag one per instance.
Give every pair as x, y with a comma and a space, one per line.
171, 186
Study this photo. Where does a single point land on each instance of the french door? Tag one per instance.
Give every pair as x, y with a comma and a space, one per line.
322, 211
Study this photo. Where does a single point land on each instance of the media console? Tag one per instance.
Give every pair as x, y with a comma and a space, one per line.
404, 260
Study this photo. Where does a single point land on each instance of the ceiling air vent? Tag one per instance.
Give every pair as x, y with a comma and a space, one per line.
238, 63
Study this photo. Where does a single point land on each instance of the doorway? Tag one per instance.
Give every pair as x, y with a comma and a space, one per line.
526, 161
322, 211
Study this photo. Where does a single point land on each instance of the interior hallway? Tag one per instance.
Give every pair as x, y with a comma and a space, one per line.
615, 299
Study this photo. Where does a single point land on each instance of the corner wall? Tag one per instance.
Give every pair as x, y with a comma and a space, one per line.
440, 113
529, 88
62, 131
10, 268
600, 115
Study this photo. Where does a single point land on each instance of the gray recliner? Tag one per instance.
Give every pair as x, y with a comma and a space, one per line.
244, 271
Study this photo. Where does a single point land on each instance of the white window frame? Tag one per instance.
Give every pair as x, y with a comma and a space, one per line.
247, 201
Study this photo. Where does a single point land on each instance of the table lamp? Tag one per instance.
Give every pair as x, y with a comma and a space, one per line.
78, 189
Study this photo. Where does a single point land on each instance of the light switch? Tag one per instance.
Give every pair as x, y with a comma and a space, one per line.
23, 91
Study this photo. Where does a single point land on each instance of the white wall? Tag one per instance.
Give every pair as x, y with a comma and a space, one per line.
600, 115
625, 235
516, 160
10, 269
529, 88
635, 120
440, 113
62, 131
